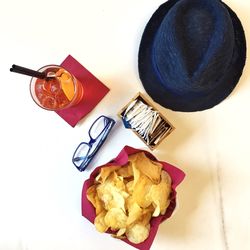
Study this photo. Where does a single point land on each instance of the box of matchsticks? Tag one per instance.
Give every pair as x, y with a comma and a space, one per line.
145, 121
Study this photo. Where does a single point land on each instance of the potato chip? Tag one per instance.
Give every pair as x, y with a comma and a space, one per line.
148, 167
132, 158
112, 192
141, 190
146, 215
121, 232
100, 223
138, 233
95, 200
119, 183
122, 236
91, 194
125, 171
105, 173
115, 218
126, 197
99, 206
129, 202
111, 196
136, 174
134, 213
129, 187
159, 194
118, 201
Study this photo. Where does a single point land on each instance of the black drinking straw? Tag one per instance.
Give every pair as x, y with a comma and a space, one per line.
28, 72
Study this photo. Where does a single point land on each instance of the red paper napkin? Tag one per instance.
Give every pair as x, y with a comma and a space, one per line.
177, 176
94, 91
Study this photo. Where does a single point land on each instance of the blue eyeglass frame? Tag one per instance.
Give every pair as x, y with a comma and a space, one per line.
109, 123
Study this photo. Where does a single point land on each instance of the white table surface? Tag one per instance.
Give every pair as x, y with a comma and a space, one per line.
40, 190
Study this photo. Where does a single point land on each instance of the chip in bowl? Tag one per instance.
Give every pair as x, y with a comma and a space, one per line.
130, 196
126, 197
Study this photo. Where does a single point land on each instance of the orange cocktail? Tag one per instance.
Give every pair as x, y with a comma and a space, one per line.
59, 90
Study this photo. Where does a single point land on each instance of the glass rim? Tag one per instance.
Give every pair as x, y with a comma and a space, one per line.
41, 70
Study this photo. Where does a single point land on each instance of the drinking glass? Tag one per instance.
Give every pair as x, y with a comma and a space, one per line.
59, 90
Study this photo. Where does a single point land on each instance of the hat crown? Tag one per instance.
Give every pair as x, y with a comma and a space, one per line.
193, 46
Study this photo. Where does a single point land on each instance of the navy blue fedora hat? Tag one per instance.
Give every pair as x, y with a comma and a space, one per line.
192, 54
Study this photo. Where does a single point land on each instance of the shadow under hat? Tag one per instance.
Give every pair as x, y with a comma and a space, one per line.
192, 54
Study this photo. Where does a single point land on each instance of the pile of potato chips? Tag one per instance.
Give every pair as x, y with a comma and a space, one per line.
126, 197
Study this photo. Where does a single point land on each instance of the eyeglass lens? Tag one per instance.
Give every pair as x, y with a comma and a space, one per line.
98, 127
82, 151
98, 132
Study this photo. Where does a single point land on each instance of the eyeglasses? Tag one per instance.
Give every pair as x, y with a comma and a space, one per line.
98, 133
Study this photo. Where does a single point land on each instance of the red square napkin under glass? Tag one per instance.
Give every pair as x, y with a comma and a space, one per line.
94, 91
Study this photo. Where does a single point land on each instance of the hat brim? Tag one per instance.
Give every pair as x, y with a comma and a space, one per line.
170, 100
